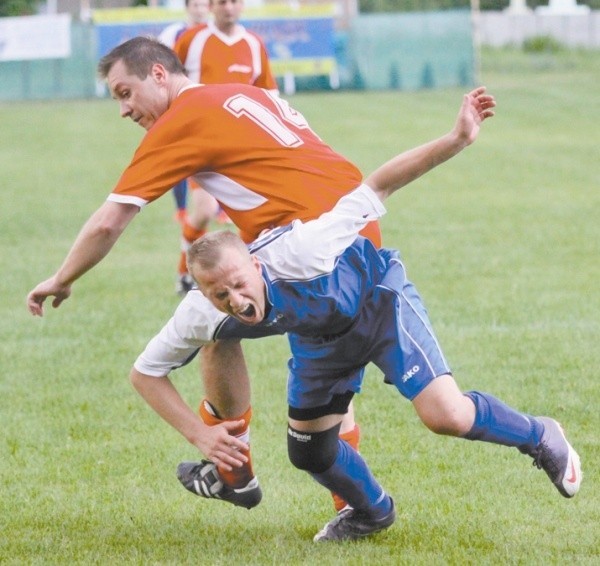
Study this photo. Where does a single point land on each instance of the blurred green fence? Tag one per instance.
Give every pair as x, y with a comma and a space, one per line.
74, 77
411, 51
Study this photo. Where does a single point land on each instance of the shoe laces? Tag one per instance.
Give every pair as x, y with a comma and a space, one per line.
542, 459
340, 517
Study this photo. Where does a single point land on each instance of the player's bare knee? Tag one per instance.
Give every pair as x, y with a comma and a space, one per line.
313, 451
139, 380
451, 422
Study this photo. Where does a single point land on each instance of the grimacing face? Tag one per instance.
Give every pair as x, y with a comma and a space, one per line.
142, 100
235, 286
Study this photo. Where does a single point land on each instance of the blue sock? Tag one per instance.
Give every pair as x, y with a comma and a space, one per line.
351, 479
500, 424
180, 194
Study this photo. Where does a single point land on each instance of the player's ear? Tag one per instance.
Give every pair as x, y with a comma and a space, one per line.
256, 264
158, 73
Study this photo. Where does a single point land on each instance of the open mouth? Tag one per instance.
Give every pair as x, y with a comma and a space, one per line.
248, 312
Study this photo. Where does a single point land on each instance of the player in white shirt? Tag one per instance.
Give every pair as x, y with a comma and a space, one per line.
343, 303
197, 12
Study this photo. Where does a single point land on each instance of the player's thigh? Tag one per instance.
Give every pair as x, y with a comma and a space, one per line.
316, 425
348, 422
204, 206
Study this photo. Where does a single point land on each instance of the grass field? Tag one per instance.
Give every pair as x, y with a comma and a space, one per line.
503, 243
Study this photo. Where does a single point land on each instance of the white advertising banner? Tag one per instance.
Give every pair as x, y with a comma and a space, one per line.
35, 37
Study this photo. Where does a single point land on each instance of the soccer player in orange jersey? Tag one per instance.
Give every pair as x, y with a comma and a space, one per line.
219, 51
224, 51
250, 150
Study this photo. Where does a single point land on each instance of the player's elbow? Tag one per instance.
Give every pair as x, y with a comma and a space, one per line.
138, 380
377, 185
135, 378
108, 231
112, 218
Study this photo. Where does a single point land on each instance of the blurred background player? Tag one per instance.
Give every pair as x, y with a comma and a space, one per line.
218, 51
198, 12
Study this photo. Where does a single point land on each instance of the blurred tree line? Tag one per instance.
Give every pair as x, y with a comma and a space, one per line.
18, 7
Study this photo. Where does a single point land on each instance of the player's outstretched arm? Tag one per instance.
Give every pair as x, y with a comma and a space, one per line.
476, 107
214, 442
93, 243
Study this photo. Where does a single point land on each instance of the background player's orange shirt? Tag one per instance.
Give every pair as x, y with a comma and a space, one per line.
211, 57
248, 149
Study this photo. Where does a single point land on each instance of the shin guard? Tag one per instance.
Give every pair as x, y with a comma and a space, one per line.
498, 423
352, 437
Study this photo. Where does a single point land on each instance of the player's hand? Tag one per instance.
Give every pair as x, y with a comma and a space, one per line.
223, 448
45, 289
476, 107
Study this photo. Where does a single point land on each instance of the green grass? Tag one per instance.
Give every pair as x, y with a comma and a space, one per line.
502, 243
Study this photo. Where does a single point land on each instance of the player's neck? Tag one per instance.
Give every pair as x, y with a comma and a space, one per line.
228, 29
178, 86
192, 23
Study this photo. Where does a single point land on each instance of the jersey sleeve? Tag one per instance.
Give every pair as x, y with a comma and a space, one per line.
173, 149
266, 78
311, 248
193, 325
169, 35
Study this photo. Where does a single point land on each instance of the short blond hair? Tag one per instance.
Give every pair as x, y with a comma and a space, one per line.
206, 251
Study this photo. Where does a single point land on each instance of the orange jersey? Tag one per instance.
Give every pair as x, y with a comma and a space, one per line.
246, 147
211, 57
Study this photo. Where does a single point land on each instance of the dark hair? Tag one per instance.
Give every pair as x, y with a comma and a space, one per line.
138, 56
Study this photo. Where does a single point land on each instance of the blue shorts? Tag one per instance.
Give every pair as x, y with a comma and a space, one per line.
392, 331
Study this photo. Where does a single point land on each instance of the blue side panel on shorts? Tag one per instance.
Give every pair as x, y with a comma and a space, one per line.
407, 351
392, 330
